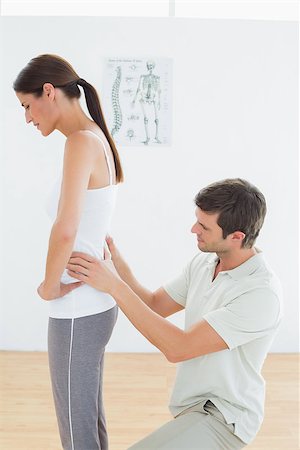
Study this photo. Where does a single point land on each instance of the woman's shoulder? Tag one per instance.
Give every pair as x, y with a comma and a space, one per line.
87, 135
85, 139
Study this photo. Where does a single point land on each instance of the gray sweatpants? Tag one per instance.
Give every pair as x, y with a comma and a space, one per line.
202, 427
76, 356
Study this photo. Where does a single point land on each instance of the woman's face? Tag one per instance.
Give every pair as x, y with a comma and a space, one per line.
41, 110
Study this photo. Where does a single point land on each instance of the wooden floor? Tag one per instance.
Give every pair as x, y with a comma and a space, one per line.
137, 388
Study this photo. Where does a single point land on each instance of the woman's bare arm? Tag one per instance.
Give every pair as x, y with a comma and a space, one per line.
79, 158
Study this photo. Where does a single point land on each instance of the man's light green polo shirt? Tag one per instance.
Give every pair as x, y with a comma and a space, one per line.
243, 305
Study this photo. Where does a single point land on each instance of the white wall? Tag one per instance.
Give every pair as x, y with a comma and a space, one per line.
234, 114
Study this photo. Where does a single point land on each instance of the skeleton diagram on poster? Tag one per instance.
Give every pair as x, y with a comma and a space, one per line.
137, 100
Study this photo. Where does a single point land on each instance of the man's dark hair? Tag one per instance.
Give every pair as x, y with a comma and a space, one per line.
241, 207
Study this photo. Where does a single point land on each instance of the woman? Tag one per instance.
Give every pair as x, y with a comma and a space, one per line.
81, 205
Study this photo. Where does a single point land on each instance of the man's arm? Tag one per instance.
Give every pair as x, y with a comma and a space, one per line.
177, 345
159, 301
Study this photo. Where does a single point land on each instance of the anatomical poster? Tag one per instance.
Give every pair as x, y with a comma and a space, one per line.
137, 100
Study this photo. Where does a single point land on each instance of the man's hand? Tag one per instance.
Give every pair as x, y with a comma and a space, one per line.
120, 264
101, 275
58, 291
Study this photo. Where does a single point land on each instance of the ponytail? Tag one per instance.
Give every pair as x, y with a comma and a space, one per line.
95, 110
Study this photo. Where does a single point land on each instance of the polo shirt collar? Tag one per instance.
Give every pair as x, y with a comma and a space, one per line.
245, 269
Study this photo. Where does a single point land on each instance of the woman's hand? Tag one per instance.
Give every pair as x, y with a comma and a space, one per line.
101, 275
58, 291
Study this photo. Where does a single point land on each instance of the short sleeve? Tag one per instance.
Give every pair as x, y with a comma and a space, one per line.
250, 316
178, 287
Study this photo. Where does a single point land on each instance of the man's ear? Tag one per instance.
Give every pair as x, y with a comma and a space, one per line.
49, 90
238, 236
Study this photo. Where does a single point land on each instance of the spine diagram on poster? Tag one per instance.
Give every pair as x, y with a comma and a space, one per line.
116, 103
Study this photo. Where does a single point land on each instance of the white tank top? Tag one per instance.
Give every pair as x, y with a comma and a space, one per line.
94, 225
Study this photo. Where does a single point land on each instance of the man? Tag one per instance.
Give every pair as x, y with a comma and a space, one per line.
232, 312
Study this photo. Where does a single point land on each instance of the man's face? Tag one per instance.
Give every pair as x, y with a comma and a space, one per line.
209, 233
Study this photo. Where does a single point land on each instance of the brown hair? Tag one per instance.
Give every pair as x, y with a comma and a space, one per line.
241, 207
57, 71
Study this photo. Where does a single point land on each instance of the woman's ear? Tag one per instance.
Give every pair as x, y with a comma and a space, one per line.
49, 90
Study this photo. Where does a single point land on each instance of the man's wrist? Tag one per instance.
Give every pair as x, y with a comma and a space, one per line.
118, 287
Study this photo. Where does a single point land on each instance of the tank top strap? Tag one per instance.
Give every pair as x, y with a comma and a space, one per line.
106, 156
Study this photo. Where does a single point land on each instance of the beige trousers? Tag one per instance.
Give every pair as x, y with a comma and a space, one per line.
200, 428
